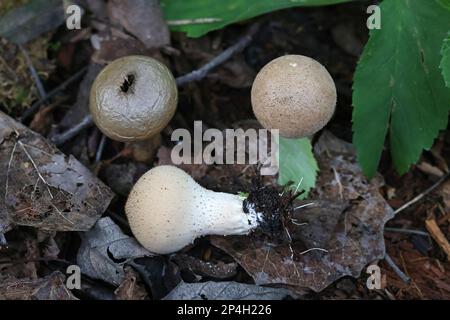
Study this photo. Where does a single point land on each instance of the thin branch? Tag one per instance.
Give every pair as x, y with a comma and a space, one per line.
409, 231
397, 270
305, 205
423, 194
36, 106
313, 249
33, 72
192, 21
62, 138
199, 74
100, 149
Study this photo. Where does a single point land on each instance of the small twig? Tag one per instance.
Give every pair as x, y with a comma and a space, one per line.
101, 146
417, 232
305, 205
295, 221
438, 236
36, 106
62, 138
397, 270
192, 21
199, 74
313, 249
33, 72
423, 194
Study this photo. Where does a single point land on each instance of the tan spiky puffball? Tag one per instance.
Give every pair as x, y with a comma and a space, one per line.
294, 94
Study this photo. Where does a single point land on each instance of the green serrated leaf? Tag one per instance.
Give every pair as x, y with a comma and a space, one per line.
398, 85
190, 14
445, 62
297, 163
444, 3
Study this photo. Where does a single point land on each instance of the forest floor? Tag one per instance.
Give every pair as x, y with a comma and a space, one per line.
334, 35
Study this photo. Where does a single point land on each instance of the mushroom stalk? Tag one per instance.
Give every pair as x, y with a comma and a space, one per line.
167, 210
227, 215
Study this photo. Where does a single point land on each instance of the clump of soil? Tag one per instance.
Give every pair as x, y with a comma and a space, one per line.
275, 203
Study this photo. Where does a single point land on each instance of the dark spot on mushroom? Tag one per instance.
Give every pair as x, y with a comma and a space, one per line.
127, 84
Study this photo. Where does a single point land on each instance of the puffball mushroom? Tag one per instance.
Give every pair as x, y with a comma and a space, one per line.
133, 98
167, 210
294, 94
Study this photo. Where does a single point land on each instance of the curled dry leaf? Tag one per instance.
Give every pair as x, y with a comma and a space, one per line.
347, 220
225, 291
51, 287
42, 187
104, 250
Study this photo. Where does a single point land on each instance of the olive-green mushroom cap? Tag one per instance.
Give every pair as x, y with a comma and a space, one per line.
133, 98
294, 94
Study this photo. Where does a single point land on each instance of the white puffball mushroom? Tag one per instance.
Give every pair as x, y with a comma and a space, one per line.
294, 94
167, 210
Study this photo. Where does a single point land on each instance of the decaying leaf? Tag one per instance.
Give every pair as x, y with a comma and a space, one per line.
43, 188
51, 287
143, 19
104, 250
225, 291
347, 220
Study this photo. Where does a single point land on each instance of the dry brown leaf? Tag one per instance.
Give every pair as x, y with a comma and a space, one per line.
51, 287
348, 221
42, 187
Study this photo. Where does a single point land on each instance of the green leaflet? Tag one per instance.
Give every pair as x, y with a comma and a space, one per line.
224, 12
444, 3
398, 87
445, 62
297, 163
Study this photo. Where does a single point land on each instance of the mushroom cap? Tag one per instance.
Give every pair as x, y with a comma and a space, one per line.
133, 98
294, 94
167, 210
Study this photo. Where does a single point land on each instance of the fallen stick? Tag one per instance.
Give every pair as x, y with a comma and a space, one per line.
62, 138
397, 270
34, 74
199, 74
37, 105
423, 194
438, 236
